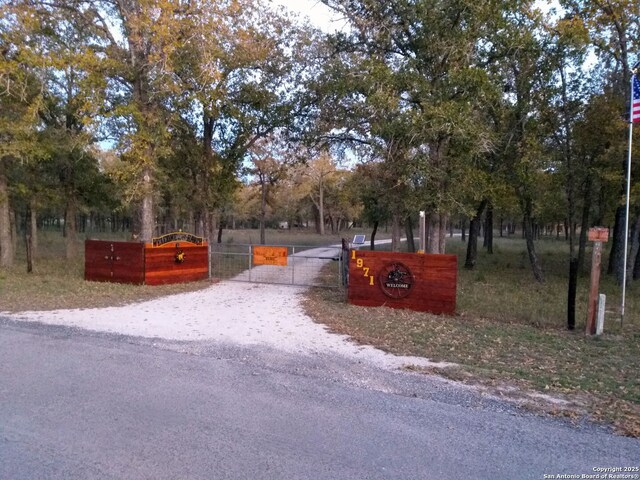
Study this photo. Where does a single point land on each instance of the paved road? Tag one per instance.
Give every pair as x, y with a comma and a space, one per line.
82, 405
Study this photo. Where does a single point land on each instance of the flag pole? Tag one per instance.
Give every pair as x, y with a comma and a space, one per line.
626, 226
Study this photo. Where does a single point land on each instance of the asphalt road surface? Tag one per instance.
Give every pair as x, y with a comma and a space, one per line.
83, 405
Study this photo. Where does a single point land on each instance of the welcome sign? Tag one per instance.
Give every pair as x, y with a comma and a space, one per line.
176, 237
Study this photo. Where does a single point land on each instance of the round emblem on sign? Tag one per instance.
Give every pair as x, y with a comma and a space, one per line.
396, 280
179, 256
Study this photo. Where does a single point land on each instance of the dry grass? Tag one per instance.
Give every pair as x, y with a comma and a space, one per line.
297, 237
512, 331
59, 283
508, 328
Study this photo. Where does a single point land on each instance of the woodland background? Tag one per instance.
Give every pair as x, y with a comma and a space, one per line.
147, 116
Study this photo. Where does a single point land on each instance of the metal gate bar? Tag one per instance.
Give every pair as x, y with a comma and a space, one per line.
304, 265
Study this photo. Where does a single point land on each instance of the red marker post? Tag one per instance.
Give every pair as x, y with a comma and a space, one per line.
598, 235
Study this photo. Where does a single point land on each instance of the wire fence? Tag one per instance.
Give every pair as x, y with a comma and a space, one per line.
280, 264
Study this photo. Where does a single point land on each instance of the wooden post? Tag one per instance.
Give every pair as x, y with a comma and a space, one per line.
602, 299
597, 235
423, 233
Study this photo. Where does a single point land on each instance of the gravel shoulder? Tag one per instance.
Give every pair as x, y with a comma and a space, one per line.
228, 312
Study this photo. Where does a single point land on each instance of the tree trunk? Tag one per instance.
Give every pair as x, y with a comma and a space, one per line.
529, 237
636, 268
474, 232
136, 224
263, 211
437, 233
321, 206
317, 219
27, 239
616, 255
147, 229
395, 233
212, 225
33, 231
427, 232
408, 228
584, 222
463, 233
6, 243
201, 226
488, 229
14, 231
573, 287
373, 235
70, 227
635, 246
442, 233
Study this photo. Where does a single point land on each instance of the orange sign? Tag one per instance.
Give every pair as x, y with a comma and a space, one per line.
598, 234
270, 255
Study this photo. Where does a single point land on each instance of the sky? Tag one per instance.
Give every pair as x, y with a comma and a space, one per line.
322, 16
318, 14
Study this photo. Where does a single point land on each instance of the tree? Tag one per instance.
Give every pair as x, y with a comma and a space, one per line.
71, 105
320, 170
373, 195
524, 68
20, 99
413, 69
614, 31
267, 168
129, 43
236, 87
564, 107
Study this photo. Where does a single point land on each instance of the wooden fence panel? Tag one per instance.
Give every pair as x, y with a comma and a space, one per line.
162, 265
137, 263
106, 261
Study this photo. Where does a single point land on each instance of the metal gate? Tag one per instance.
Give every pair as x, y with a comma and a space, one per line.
278, 264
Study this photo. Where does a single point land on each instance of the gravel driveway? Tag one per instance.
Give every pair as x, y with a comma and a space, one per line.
231, 312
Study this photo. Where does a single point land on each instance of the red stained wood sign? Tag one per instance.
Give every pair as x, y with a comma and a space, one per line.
120, 262
139, 263
425, 283
599, 234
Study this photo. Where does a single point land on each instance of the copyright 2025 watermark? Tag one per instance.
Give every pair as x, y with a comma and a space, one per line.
600, 473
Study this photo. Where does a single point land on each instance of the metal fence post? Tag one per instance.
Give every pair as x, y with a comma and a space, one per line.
293, 266
210, 259
250, 260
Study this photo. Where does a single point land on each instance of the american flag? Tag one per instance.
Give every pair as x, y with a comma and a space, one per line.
635, 101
